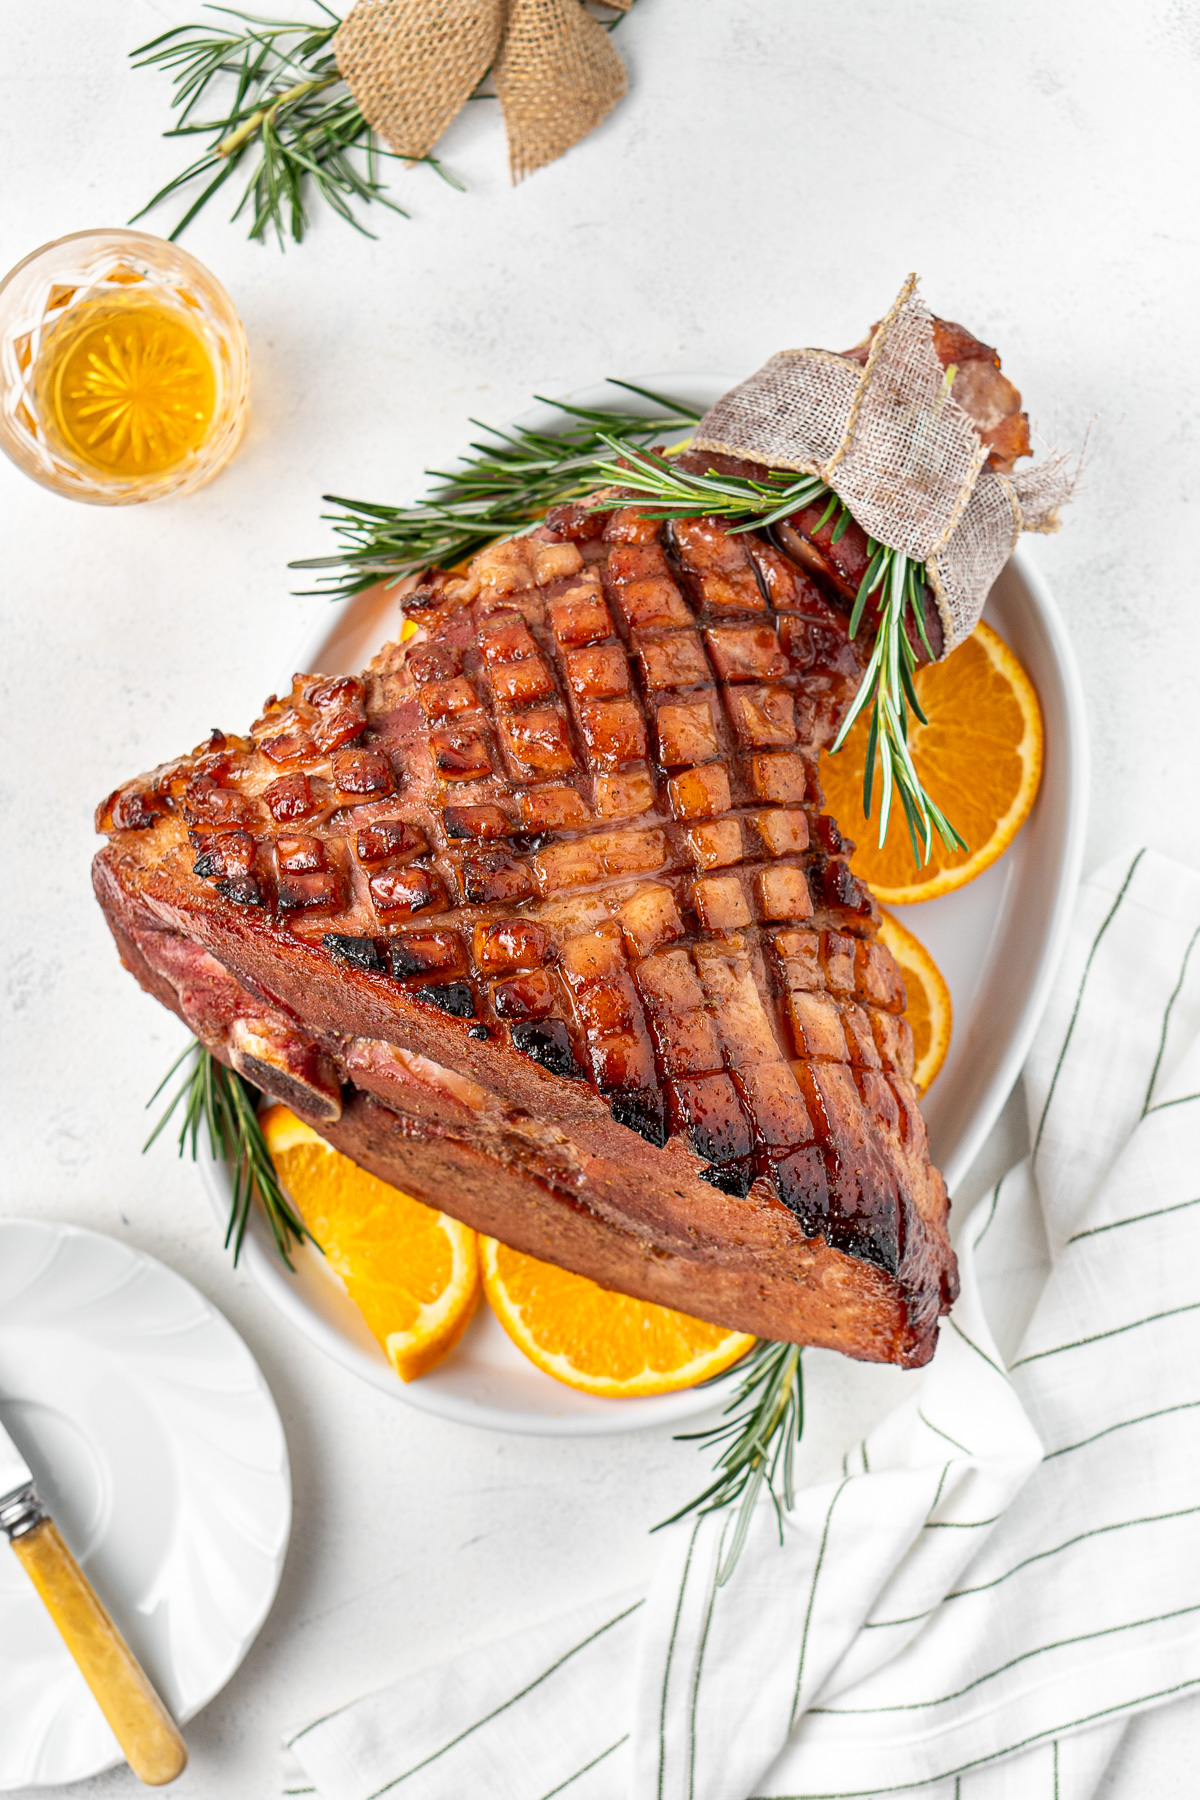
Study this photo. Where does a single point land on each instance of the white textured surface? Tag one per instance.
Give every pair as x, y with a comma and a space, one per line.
778, 168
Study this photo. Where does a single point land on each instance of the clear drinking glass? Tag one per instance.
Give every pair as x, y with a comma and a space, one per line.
124, 369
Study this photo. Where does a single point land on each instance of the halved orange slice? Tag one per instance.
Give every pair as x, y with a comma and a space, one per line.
929, 1011
979, 757
590, 1338
412, 1272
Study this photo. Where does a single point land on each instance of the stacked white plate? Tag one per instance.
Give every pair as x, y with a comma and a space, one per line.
156, 1446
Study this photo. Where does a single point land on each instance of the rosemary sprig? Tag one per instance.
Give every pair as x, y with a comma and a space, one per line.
896, 583
216, 1097
764, 1423
892, 580
677, 493
504, 487
289, 110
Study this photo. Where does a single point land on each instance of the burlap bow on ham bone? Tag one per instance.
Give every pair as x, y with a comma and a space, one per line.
899, 451
413, 64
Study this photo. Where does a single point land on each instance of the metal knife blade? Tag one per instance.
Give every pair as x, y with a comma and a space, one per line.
14, 1470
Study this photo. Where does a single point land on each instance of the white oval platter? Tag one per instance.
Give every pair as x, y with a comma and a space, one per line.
155, 1444
997, 942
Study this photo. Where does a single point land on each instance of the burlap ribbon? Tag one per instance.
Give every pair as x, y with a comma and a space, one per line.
412, 65
903, 455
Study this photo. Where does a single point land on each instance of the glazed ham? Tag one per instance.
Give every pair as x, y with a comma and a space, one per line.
541, 920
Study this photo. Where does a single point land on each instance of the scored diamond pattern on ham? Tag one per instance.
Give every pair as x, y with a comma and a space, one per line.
541, 920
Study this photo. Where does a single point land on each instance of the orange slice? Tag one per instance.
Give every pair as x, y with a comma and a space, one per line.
591, 1338
929, 1011
412, 1272
979, 757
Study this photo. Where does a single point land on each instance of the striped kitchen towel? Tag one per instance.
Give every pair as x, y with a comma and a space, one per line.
1008, 1566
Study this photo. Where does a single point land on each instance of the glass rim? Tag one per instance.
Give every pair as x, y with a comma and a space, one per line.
115, 231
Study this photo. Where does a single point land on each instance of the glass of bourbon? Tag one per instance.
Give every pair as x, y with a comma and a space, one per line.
124, 369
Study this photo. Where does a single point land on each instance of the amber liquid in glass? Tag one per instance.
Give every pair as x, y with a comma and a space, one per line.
126, 385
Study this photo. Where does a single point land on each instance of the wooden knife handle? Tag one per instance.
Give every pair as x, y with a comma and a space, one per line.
141, 1723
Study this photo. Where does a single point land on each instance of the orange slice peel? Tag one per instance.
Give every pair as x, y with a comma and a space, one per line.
929, 1012
979, 757
596, 1340
413, 1272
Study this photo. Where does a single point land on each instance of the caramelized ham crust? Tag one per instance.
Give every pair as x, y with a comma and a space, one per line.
540, 919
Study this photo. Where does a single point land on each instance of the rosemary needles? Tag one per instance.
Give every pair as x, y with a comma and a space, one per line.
892, 582
503, 487
896, 584
675, 493
289, 121
213, 1096
762, 1425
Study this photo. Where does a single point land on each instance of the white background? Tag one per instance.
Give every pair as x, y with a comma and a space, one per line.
777, 169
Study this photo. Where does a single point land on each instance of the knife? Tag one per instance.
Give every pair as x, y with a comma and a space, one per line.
141, 1723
